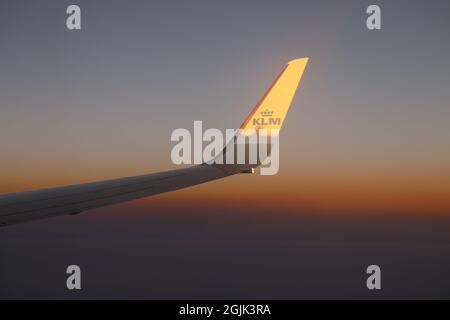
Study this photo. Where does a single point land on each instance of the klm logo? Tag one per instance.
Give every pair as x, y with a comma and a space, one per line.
266, 119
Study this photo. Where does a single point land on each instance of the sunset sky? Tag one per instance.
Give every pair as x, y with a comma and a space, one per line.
367, 135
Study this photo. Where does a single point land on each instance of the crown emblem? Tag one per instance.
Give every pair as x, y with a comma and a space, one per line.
266, 113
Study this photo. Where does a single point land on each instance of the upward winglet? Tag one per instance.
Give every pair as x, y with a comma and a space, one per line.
271, 110
268, 114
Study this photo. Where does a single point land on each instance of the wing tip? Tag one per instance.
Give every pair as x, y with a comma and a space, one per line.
299, 60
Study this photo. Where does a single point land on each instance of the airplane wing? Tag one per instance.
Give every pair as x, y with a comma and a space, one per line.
37, 204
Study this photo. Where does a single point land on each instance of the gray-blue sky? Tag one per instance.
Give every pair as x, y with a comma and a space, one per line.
102, 102
164, 64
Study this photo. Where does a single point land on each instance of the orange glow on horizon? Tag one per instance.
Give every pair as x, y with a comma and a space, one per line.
376, 193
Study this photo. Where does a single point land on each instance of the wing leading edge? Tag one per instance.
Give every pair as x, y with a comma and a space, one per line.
30, 205
37, 204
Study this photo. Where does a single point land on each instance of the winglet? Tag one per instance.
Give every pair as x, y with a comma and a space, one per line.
271, 110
